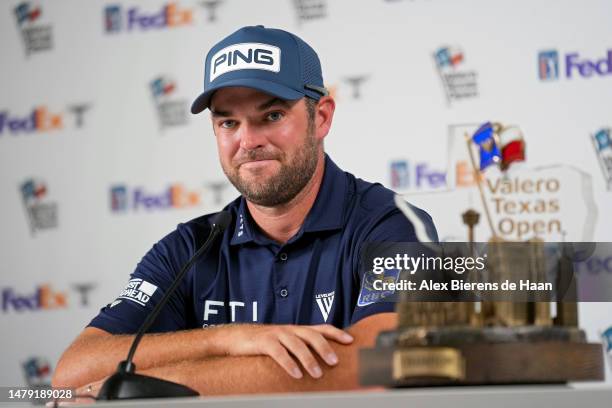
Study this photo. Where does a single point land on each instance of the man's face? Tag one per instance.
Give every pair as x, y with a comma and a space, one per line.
267, 146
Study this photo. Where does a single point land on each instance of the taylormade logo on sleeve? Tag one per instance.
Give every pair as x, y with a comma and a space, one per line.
245, 56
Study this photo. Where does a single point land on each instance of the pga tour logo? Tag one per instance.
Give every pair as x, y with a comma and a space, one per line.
549, 65
244, 56
138, 291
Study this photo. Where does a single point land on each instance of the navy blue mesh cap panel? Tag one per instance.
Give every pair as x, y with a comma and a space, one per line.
311, 66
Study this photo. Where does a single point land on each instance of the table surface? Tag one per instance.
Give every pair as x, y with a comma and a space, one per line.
557, 396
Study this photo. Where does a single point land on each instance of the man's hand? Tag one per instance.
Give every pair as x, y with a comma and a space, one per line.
283, 343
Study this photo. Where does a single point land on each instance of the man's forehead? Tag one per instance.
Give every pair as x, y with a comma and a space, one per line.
224, 99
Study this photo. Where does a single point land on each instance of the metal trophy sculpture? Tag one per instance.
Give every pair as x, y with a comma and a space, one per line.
486, 342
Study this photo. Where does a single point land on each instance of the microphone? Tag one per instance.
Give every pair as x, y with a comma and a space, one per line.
125, 383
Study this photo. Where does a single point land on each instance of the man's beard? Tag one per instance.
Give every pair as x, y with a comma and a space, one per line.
286, 184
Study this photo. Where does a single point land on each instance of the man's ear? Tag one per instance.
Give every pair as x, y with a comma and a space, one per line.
324, 115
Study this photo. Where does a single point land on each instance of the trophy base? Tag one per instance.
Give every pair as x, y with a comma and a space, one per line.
420, 357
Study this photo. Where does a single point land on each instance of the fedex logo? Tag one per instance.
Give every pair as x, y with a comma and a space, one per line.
420, 175
40, 119
244, 56
586, 68
43, 298
175, 196
170, 15
575, 65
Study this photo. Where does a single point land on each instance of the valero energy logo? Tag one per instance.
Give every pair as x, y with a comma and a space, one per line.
459, 83
171, 15
42, 213
176, 196
171, 111
308, 10
36, 36
37, 371
602, 142
523, 202
42, 119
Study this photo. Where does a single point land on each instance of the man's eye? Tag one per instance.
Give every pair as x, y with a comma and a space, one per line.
228, 124
274, 116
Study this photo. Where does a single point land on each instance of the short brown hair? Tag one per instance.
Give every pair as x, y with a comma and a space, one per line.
311, 106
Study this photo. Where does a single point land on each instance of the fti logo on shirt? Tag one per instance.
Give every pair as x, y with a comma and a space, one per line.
325, 301
138, 291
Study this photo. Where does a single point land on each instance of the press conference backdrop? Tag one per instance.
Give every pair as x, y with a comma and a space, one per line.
100, 157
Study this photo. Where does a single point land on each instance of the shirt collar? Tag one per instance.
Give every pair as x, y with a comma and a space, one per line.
243, 230
327, 212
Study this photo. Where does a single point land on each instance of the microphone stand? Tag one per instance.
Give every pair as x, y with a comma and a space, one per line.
125, 383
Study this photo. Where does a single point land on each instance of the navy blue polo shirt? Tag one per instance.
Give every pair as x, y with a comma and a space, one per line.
246, 277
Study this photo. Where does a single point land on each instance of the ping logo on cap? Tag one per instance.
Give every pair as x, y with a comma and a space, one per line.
245, 56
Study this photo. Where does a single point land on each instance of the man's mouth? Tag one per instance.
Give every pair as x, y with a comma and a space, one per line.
257, 163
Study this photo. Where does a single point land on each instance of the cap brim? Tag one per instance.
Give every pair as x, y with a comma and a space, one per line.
262, 85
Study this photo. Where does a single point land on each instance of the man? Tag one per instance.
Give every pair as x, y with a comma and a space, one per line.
287, 267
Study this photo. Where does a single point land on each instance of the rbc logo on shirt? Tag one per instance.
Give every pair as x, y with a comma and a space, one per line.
548, 65
170, 15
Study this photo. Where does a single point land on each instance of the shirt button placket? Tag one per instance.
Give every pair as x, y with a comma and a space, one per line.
284, 306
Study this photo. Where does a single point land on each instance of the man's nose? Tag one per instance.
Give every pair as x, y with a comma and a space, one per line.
251, 137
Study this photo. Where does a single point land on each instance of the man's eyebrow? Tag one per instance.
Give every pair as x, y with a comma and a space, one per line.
272, 102
217, 113
263, 106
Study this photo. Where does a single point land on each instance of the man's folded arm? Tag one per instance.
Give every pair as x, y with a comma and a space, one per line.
96, 353
260, 374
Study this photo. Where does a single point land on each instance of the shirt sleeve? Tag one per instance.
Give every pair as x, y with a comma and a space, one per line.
391, 228
147, 284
